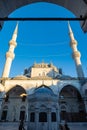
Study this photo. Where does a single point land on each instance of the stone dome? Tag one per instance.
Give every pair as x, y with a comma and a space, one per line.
44, 90
42, 95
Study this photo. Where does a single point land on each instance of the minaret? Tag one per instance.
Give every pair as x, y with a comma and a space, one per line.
76, 54
10, 54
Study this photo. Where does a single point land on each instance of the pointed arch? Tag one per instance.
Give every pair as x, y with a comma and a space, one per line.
43, 88
78, 7
17, 90
71, 98
16, 99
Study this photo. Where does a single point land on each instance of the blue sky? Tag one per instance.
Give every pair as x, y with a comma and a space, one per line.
42, 41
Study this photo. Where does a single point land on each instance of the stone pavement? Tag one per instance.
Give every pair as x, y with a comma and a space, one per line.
77, 126
14, 126
10, 126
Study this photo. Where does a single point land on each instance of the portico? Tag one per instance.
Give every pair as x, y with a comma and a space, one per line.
43, 109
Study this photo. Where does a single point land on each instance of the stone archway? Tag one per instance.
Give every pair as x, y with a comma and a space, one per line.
15, 100
77, 7
72, 107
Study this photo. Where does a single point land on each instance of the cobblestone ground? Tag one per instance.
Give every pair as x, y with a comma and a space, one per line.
14, 126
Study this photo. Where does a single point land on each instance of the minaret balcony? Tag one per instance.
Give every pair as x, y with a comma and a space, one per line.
73, 42
76, 54
10, 54
12, 42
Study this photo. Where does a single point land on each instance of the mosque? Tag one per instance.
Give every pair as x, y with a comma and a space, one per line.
43, 96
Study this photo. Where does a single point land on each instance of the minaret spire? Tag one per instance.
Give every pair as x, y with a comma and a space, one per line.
76, 54
10, 54
70, 32
14, 37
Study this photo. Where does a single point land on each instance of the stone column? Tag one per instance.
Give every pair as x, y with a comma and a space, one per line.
0, 107
57, 117
36, 118
28, 125
0, 103
1, 98
49, 119
85, 103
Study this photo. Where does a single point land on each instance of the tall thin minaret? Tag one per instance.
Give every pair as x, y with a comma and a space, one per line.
10, 54
76, 54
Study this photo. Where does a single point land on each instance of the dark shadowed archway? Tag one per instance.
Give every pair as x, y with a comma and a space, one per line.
14, 105
77, 7
72, 108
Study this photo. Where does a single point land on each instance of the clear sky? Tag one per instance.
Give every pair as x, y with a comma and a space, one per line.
42, 41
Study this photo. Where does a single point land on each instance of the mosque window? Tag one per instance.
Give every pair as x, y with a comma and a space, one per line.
22, 115
23, 98
32, 117
53, 117
81, 108
42, 117
4, 113
6, 98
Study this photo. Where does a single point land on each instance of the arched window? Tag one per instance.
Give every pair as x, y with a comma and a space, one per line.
32, 117
42, 117
53, 117
4, 113
6, 98
24, 98
63, 112
81, 108
22, 112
